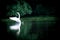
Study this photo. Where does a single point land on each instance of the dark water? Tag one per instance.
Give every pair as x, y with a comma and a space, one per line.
31, 30
37, 30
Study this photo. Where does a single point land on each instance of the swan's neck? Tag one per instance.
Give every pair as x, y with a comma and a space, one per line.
17, 26
15, 18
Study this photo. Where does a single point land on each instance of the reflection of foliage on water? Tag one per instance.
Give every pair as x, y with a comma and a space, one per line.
36, 27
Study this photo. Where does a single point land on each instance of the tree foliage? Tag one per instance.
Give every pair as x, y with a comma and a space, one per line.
23, 9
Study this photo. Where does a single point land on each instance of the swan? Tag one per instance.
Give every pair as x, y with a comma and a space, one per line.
17, 25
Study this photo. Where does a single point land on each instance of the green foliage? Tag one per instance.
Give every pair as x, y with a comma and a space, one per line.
41, 10
23, 9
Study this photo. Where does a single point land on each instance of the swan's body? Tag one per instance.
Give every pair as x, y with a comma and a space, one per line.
17, 25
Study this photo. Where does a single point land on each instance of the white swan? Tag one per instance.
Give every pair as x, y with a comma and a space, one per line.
17, 25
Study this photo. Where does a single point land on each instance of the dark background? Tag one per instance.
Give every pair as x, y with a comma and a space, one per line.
44, 32
49, 5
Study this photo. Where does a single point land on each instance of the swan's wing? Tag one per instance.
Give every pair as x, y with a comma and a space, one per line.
14, 19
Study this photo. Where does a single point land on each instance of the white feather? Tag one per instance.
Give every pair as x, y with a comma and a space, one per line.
17, 25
